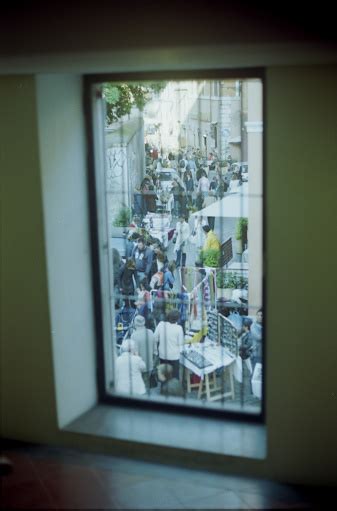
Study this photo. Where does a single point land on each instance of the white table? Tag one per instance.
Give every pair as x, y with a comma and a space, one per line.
219, 357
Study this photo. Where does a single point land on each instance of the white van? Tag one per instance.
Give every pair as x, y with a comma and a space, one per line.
243, 167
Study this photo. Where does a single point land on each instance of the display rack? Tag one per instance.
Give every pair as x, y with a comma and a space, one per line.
222, 330
213, 325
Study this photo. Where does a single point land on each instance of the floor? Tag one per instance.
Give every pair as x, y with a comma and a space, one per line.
58, 478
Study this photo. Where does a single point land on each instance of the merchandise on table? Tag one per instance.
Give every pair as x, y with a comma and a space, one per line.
196, 358
221, 330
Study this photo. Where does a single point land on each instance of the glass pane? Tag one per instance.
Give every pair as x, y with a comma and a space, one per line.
183, 209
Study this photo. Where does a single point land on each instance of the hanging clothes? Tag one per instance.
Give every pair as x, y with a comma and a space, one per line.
206, 293
183, 305
211, 278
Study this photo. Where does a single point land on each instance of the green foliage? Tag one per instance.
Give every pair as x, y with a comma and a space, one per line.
226, 279
210, 258
123, 218
121, 97
241, 229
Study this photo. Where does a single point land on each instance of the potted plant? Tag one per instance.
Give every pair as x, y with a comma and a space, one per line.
226, 282
210, 258
121, 221
241, 234
241, 289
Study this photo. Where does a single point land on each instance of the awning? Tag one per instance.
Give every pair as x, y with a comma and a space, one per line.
235, 140
233, 205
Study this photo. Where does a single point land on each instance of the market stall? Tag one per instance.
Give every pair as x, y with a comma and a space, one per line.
203, 360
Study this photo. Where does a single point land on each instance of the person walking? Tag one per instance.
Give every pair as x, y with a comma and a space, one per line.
189, 185
127, 282
129, 369
203, 185
181, 237
145, 346
199, 201
169, 276
170, 338
142, 256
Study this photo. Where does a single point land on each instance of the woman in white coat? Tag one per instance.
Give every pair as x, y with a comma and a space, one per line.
198, 232
129, 369
181, 237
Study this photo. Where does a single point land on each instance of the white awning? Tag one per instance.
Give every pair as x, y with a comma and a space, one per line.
233, 205
235, 140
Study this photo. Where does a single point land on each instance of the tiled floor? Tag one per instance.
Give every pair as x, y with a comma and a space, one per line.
54, 478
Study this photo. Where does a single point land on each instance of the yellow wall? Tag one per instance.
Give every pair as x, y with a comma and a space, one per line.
301, 172
301, 161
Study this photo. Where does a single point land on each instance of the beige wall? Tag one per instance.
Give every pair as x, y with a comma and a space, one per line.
301, 394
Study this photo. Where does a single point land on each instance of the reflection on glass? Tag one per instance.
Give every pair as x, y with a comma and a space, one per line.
183, 183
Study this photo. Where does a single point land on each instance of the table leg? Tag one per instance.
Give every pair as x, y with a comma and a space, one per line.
200, 388
188, 378
214, 379
208, 392
231, 380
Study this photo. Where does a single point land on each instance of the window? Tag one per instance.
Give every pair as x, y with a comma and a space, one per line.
178, 209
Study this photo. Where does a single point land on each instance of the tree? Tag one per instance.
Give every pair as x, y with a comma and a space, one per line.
121, 97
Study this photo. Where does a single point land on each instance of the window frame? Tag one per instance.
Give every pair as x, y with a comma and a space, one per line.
89, 81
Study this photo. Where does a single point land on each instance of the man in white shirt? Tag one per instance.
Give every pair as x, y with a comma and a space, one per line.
203, 185
170, 337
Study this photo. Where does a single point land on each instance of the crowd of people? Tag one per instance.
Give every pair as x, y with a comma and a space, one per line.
195, 179
147, 354
146, 265
151, 350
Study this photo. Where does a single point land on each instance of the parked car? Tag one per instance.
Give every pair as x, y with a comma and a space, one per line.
166, 178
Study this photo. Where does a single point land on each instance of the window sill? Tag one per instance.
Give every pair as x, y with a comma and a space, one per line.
189, 434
